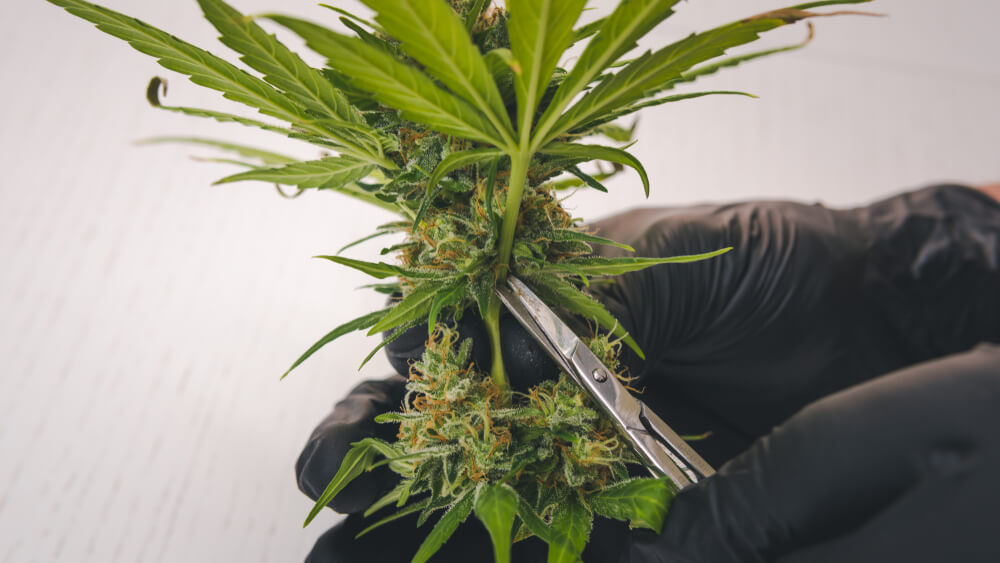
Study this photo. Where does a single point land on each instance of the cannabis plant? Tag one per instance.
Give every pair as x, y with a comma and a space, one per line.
457, 117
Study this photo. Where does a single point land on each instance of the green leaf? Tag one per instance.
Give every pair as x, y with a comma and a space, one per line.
712, 68
432, 33
444, 299
587, 178
652, 71
204, 68
415, 507
394, 83
584, 153
414, 306
359, 323
330, 172
570, 528
567, 235
601, 120
449, 164
356, 461
496, 506
617, 35
265, 157
367, 238
554, 290
280, 67
473, 16
532, 520
540, 32
599, 266
643, 502
445, 528
381, 270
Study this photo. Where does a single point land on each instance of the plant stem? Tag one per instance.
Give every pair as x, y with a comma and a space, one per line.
515, 188
518, 174
492, 322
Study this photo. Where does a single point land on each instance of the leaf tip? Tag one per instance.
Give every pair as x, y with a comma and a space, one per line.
153, 90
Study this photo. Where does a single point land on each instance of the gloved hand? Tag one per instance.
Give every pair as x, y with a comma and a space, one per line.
811, 301
901, 468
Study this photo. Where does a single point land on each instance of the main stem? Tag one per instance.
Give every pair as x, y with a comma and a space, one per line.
515, 188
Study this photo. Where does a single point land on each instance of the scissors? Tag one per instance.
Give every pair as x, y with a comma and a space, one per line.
662, 450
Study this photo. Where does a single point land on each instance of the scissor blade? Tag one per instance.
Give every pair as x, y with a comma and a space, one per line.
575, 358
537, 317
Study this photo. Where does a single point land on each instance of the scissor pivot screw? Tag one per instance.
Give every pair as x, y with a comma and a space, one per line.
600, 375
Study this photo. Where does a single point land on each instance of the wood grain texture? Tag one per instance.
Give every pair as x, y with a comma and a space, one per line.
146, 316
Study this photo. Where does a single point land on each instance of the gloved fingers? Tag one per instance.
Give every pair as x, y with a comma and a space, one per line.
881, 448
352, 420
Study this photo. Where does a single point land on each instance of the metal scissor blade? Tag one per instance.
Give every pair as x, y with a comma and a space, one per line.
661, 448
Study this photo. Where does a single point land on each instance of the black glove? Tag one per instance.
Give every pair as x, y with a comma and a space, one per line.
811, 301
901, 468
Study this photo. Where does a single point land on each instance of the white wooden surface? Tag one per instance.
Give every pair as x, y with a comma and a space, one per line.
145, 316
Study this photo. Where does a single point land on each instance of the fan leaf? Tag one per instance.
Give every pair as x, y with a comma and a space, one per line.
445, 527
394, 83
413, 307
330, 172
597, 266
643, 502
360, 323
355, 462
202, 67
583, 153
432, 33
496, 506
616, 36
381, 270
571, 523
540, 32
655, 69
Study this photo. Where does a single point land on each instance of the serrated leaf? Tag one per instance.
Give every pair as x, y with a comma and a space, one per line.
432, 33
203, 68
265, 157
415, 507
496, 506
567, 235
540, 32
569, 531
444, 528
280, 66
601, 120
381, 270
599, 266
616, 35
359, 323
712, 68
586, 178
356, 461
653, 70
444, 299
449, 164
474, 13
556, 291
532, 520
325, 173
413, 307
394, 83
643, 502
583, 153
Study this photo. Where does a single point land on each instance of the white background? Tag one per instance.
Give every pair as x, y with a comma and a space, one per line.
145, 316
